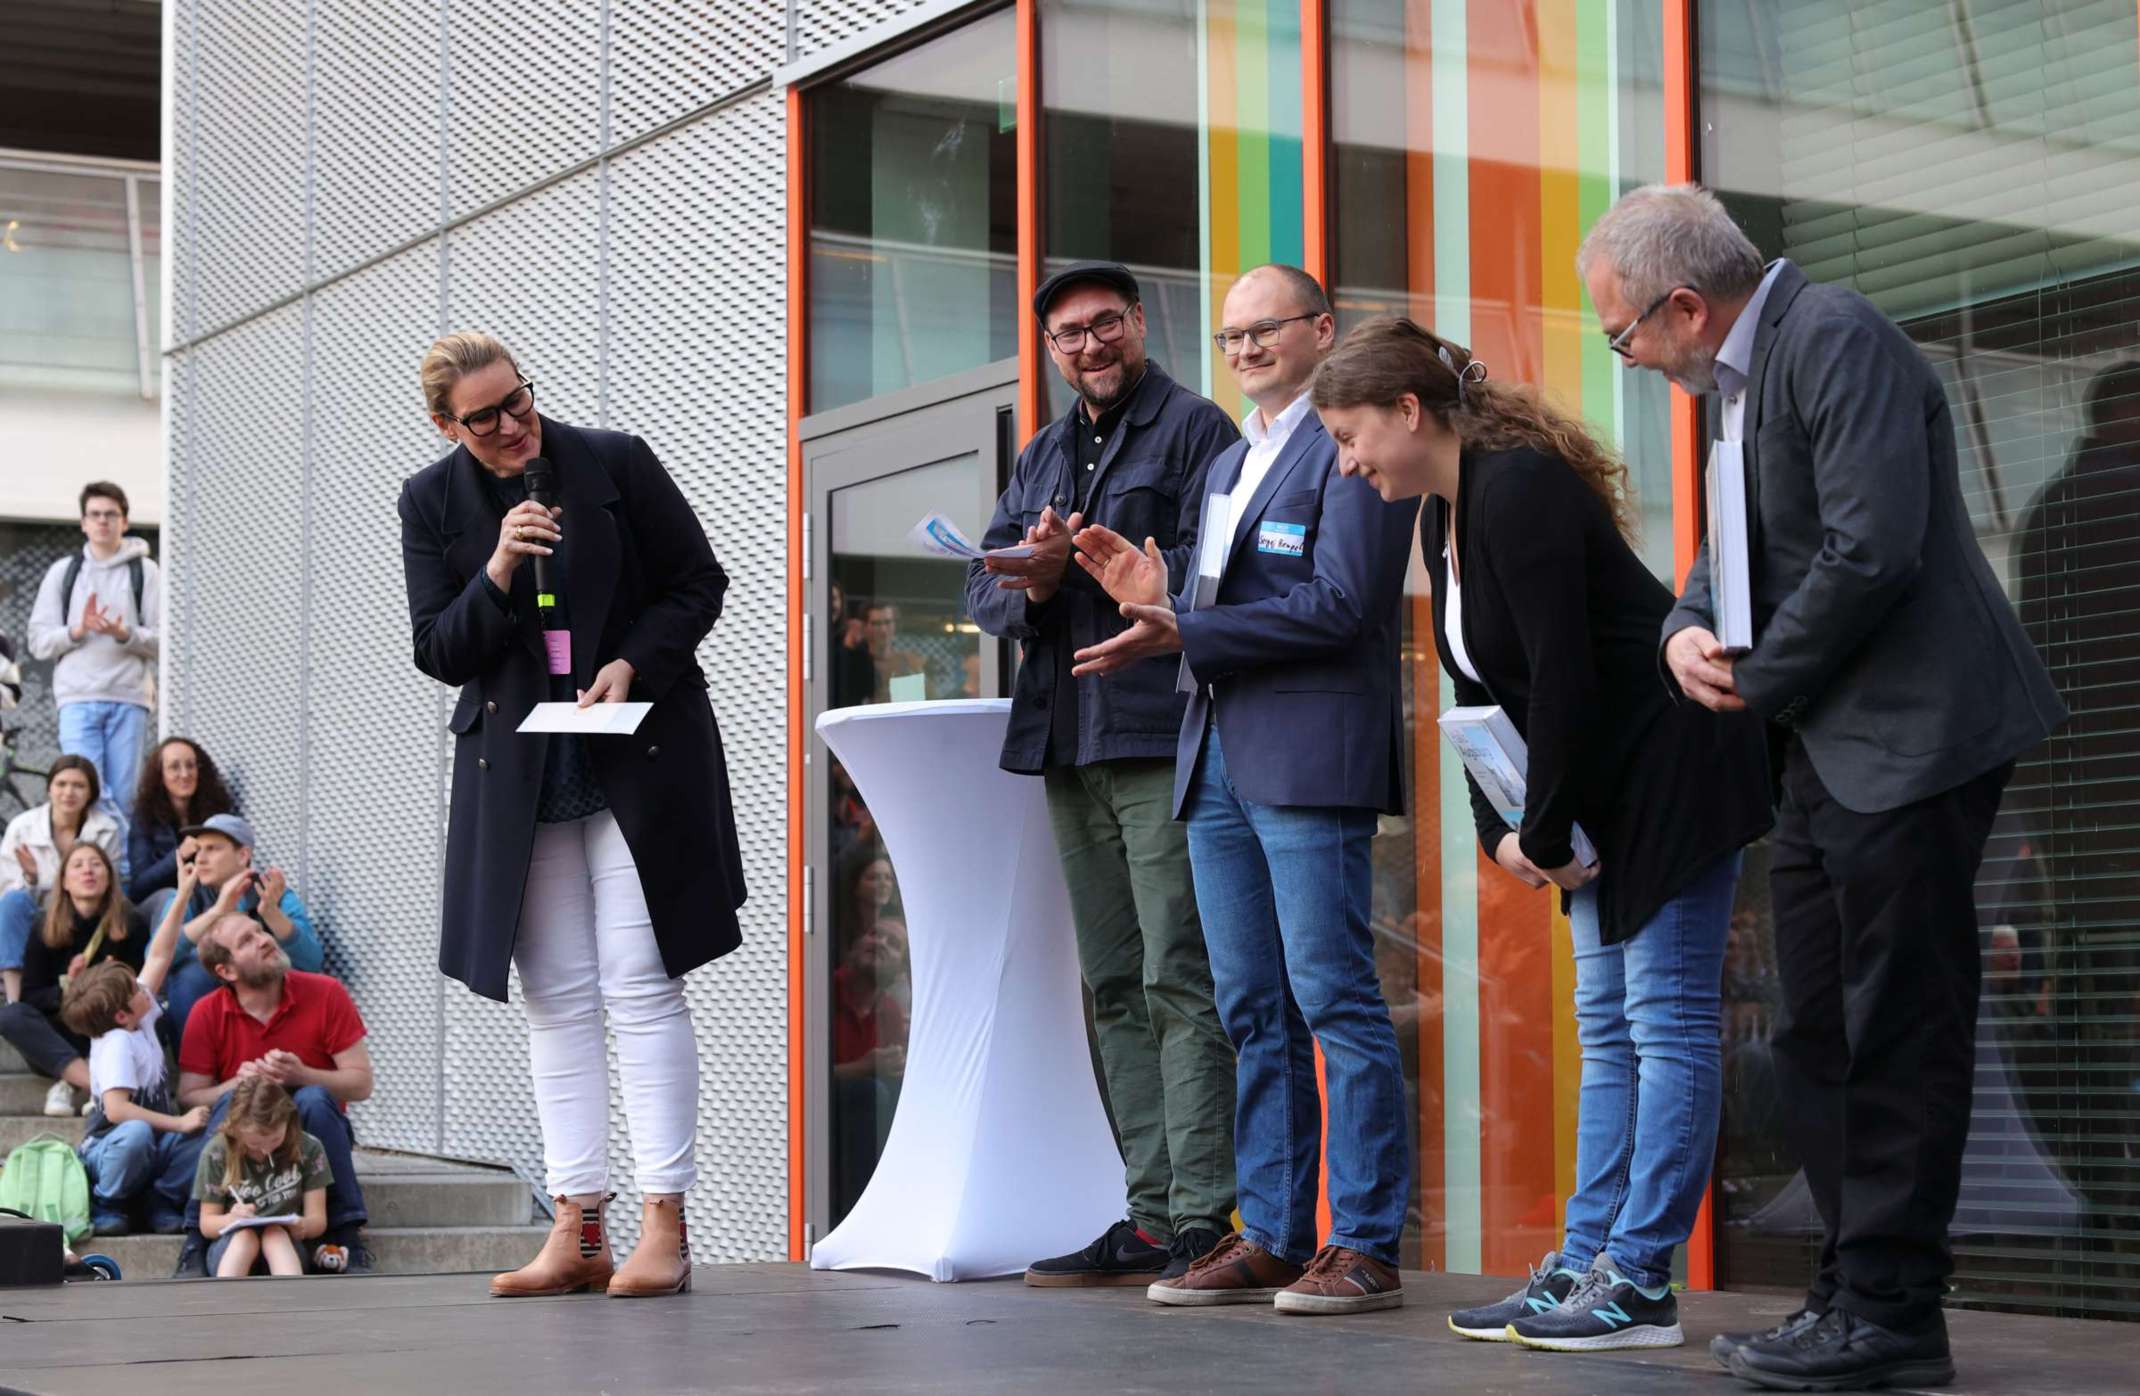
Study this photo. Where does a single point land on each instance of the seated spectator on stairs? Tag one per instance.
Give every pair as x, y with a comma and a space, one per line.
221, 847
180, 786
87, 920
31, 850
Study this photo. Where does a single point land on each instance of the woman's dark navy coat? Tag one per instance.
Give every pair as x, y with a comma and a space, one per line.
644, 587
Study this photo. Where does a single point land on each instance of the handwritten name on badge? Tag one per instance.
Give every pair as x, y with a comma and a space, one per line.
1284, 539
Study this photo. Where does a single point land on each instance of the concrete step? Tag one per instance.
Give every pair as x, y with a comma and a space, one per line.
437, 1250
16, 1129
23, 1094
11, 1060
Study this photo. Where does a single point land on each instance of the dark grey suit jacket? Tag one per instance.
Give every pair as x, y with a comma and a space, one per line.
1880, 632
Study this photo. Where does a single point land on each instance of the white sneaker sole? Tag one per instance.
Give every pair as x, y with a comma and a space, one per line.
1482, 1335
1206, 1298
1640, 1336
1289, 1302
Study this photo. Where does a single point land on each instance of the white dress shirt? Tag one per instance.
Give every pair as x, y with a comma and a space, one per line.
1735, 359
1264, 445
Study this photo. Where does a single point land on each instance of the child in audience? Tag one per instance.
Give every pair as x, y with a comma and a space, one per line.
260, 1164
134, 1143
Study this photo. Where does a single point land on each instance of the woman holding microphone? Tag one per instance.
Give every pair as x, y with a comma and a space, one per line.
1541, 606
603, 867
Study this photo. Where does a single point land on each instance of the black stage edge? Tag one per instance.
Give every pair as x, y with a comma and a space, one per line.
783, 1328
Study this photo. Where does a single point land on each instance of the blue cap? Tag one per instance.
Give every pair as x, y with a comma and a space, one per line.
230, 826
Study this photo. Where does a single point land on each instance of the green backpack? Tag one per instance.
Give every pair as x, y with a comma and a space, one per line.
44, 1179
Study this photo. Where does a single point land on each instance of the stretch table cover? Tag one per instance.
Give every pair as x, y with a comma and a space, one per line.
999, 1152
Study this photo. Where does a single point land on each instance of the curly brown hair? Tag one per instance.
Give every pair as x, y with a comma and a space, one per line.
152, 803
1388, 356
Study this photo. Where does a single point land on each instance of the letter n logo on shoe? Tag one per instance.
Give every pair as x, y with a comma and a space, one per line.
1612, 1315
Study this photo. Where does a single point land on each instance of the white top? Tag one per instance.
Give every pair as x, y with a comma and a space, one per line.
32, 829
1264, 445
1453, 619
130, 1060
1735, 357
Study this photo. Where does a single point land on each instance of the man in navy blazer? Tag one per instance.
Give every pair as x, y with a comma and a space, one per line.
1288, 630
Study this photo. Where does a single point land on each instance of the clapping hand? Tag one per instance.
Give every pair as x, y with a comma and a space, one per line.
1039, 574
1129, 576
98, 621
1153, 631
27, 861
229, 894
272, 885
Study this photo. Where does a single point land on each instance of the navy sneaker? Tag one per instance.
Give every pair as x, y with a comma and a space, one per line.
1120, 1257
1549, 1284
1606, 1311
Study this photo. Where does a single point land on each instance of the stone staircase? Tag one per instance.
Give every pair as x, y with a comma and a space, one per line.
428, 1216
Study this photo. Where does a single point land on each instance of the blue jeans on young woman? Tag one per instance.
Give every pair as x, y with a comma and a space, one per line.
113, 737
1648, 1014
19, 911
135, 1159
1283, 892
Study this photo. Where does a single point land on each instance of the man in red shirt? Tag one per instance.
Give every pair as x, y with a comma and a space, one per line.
301, 1030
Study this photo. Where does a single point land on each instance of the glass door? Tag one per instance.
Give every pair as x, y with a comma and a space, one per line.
887, 623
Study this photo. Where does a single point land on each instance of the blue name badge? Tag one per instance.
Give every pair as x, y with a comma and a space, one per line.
1284, 539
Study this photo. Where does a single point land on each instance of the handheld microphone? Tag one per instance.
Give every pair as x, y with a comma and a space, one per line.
549, 602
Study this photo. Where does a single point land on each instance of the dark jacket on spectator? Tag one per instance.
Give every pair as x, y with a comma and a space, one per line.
43, 965
644, 587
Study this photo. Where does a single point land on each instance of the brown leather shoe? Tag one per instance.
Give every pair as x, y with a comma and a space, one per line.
661, 1262
1236, 1271
1341, 1281
573, 1258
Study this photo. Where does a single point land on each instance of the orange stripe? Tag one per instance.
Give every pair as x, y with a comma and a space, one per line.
1028, 158
798, 697
1314, 139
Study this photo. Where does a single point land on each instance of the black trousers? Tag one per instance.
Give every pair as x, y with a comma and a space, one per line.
1877, 950
43, 1042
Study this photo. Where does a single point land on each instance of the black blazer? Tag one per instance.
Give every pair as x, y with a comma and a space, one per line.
1560, 619
645, 587
1300, 649
1880, 632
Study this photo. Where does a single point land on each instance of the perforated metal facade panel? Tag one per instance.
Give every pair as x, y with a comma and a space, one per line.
822, 22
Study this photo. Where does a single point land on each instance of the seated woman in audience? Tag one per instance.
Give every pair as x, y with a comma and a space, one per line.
36, 843
87, 920
260, 1163
180, 786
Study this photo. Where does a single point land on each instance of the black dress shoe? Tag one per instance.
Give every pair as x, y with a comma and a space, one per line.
1189, 1245
1842, 1352
1723, 1345
1119, 1257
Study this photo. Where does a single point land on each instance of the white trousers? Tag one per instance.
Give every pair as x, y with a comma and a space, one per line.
587, 943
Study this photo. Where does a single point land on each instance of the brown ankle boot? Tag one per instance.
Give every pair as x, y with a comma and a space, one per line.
575, 1257
661, 1262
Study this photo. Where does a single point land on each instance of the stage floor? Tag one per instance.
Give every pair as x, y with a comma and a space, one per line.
765, 1328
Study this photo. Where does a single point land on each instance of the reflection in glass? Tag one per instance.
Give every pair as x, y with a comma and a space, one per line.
913, 216
1975, 171
896, 630
67, 281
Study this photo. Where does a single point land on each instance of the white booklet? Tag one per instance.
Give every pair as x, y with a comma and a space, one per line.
1730, 580
1499, 760
242, 1223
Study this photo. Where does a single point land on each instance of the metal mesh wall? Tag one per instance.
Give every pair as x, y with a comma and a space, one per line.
644, 293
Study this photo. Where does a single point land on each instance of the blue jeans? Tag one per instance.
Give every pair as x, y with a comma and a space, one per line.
1648, 1014
113, 737
1283, 892
18, 922
320, 1117
136, 1159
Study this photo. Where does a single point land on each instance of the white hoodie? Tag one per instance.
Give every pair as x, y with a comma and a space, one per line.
32, 829
97, 668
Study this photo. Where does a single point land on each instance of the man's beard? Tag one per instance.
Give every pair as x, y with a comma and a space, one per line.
1696, 372
261, 976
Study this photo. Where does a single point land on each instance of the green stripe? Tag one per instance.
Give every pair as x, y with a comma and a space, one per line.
1594, 127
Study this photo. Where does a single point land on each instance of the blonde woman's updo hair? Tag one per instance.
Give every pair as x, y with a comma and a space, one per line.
1388, 356
453, 358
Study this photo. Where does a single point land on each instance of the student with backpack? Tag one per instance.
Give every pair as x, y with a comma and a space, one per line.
260, 1164
136, 1148
99, 614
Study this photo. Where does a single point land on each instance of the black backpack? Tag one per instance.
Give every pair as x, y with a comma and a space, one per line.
74, 574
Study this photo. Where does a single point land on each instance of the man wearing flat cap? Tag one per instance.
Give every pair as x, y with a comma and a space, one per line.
1130, 454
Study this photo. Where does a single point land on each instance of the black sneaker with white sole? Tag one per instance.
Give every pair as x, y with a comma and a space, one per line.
1120, 1257
1607, 1311
1548, 1285
1723, 1345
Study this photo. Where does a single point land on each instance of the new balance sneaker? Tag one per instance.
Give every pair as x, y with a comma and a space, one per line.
1604, 1312
1723, 1345
1189, 1245
1341, 1280
1548, 1285
1120, 1257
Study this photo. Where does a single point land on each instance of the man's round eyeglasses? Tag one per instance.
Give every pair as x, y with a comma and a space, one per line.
515, 404
1618, 342
1104, 328
1263, 334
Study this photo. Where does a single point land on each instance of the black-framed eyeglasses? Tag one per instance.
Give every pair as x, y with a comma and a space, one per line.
1263, 334
1104, 328
515, 404
1618, 342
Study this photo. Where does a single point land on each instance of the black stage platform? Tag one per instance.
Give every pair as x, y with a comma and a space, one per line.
768, 1328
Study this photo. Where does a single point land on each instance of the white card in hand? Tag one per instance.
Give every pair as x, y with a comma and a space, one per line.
596, 719
1218, 535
